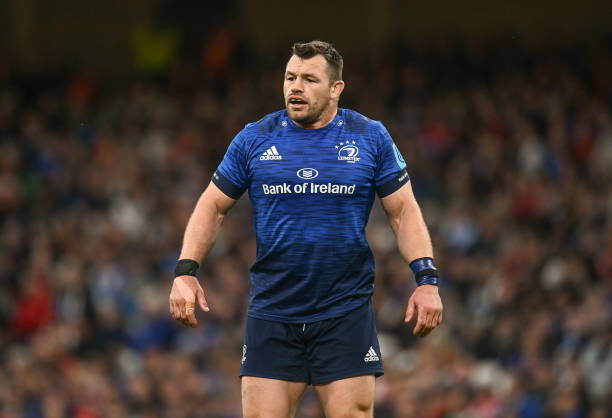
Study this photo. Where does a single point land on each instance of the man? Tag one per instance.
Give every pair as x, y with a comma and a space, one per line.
311, 171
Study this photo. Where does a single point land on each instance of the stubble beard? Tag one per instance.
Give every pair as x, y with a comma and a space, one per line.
310, 117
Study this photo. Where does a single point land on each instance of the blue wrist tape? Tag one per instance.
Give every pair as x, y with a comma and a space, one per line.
424, 271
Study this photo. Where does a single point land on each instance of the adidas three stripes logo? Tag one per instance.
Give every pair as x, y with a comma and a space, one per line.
271, 154
371, 355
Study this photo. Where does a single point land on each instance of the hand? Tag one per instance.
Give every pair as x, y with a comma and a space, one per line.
185, 291
427, 303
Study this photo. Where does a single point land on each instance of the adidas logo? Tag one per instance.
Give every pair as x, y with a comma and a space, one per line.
371, 355
271, 154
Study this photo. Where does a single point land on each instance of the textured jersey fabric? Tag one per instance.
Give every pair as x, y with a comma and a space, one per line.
311, 191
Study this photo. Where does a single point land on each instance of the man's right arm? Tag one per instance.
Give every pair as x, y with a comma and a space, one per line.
200, 235
204, 223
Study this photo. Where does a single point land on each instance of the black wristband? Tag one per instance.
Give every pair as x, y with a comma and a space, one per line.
186, 267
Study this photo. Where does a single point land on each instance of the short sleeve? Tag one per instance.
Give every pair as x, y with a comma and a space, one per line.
391, 171
231, 175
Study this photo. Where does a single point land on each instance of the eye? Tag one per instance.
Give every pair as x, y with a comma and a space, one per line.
289, 78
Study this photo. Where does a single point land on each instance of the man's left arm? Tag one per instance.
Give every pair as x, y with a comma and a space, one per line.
414, 245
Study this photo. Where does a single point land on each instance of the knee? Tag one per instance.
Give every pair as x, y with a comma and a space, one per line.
264, 412
356, 410
254, 414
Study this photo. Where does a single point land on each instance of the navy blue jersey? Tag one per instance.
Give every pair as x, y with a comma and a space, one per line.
311, 191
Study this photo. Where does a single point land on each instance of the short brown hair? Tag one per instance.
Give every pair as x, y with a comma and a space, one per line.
305, 50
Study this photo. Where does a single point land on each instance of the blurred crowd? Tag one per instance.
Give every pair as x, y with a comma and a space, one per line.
510, 155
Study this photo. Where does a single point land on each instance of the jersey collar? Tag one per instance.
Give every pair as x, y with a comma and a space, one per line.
338, 120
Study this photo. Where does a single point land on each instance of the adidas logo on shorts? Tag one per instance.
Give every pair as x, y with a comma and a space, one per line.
271, 154
371, 355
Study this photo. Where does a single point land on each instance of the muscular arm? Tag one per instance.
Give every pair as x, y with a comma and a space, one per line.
204, 223
407, 223
200, 235
413, 242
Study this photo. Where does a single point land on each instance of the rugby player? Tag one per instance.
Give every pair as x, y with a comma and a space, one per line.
312, 171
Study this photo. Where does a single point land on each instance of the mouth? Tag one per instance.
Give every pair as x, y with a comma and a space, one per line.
296, 102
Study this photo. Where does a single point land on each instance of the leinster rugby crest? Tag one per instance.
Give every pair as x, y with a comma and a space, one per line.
347, 151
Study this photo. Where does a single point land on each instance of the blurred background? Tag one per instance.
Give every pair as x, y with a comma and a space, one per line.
114, 114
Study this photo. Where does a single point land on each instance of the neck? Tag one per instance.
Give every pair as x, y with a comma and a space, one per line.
326, 117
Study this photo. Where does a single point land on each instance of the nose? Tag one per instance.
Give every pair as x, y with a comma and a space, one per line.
297, 86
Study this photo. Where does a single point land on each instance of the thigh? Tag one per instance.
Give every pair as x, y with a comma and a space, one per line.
270, 398
352, 397
345, 347
274, 350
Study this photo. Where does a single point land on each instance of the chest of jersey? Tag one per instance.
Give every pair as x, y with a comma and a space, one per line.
333, 162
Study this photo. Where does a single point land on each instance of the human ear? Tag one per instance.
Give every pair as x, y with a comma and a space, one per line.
337, 88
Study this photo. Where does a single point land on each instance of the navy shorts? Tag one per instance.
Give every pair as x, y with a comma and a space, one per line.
316, 352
